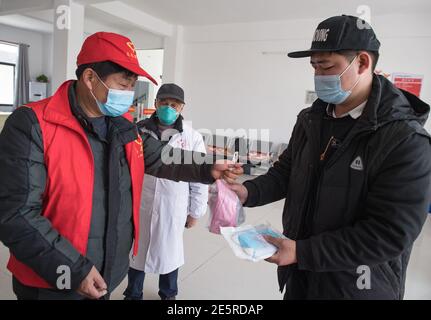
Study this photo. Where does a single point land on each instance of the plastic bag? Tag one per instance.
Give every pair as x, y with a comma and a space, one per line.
247, 242
224, 206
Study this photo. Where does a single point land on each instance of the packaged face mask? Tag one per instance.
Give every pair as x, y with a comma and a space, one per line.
225, 208
247, 242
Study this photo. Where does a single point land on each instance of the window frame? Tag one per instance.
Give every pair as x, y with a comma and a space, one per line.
14, 81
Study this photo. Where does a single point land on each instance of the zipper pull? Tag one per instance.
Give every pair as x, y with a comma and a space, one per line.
330, 142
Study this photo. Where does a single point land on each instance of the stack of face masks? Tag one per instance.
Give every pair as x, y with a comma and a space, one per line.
225, 208
247, 242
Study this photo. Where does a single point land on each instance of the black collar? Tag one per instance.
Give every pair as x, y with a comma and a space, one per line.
77, 110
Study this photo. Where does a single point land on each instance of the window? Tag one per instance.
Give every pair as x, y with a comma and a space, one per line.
152, 62
7, 81
145, 90
8, 61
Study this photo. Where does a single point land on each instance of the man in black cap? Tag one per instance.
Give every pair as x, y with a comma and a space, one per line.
169, 104
355, 176
168, 206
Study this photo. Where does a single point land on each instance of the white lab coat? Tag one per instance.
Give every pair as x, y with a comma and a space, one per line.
165, 205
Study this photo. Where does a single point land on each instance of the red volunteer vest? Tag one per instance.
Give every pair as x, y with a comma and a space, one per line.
67, 200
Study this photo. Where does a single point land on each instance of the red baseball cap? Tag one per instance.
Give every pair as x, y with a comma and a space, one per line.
108, 46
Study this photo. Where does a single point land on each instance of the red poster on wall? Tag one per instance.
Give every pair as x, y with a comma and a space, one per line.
408, 82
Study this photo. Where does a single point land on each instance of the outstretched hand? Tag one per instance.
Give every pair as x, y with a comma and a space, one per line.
227, 170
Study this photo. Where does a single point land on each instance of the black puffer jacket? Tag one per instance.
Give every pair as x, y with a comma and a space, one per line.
31, 237
366, 206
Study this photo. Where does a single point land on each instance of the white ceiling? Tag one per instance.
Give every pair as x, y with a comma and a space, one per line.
207, 12
90, 13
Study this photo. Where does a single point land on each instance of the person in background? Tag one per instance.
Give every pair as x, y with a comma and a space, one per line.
166, 206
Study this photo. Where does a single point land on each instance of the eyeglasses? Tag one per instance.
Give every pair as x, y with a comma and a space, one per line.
169, 102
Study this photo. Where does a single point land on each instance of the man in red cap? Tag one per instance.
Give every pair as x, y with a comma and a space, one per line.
72, 169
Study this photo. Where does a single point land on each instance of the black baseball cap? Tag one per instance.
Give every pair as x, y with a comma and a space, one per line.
341, 33
170, 90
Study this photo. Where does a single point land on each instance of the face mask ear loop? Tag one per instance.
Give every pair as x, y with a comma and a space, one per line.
348, 67
91, 91
94, 96
101, 80
359, 78
357, 81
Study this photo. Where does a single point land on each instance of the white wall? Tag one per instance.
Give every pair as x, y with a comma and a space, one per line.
41, 45
39, 50
230, 83
47, 65
145, 40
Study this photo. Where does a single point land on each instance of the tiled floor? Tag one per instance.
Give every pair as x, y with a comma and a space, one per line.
213, 272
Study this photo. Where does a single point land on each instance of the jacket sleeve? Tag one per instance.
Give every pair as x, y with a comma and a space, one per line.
198, 198
29, 236
163, 161
271, 186
395, 211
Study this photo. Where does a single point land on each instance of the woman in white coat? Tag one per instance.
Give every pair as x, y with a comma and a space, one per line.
166, 206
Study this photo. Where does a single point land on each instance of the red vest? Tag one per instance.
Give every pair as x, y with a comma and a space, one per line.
67, 200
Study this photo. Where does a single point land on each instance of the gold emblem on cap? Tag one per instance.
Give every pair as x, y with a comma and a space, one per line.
132, 53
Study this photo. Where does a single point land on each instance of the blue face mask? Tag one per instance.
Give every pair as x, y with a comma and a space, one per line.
167, 115
328, 88
252, 242
117, 103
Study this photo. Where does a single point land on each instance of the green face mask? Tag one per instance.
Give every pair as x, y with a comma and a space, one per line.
167, 115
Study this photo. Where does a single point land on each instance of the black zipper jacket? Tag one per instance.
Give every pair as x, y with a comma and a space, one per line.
363, 209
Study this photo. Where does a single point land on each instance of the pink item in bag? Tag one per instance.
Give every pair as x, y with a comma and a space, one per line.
225, 208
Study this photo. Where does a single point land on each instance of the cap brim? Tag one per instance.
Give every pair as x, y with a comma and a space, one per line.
172, 96
307, 53
136, 69
299, 54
